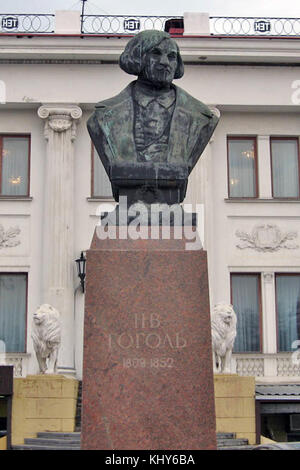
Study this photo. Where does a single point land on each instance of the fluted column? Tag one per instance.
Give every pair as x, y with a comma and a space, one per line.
58, 225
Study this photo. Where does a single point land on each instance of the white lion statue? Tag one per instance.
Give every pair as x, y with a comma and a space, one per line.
223, 329
46, 336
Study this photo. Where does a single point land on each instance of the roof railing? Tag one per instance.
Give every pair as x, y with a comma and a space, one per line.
26, 23
124, 25
254, 26
121, 25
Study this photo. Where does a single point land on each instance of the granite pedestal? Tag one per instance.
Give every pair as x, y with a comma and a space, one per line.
147, 370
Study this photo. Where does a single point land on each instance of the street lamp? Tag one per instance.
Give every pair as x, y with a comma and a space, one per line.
80, 262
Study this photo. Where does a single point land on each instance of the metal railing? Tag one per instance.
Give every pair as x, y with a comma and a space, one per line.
122, 25
254, 26
26, 23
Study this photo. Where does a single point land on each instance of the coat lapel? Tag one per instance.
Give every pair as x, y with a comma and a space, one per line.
179, 132
116, 122
185, 129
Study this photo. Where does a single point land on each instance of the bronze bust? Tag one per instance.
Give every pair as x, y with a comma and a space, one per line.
150, 136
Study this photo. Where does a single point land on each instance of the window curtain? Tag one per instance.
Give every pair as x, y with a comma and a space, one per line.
285, 169
288, 310
245, 299
102, 186
14, 166
242, 177
13, 311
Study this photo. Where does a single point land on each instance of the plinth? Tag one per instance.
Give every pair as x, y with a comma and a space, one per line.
235, 405
41, 403
147, 369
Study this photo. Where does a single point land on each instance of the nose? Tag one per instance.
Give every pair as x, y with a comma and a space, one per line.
164, 60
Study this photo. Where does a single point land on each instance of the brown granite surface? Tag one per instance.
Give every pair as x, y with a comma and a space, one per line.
147, 372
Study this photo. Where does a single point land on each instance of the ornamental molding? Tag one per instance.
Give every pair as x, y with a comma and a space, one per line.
73, 111
8, 238
266, 238
268, 277
60, 118
59, 123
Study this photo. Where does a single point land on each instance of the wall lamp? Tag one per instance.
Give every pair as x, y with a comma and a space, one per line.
80, 263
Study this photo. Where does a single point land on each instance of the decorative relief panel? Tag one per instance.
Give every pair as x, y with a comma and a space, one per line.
9, 237
267, 238
268, 277
14, 235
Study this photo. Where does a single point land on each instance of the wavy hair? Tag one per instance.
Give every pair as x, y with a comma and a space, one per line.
132, 59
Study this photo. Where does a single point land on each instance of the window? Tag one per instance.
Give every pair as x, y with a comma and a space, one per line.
101, 186
242, 167
285, 167
246, 301
288, 310
13, 307
14, 165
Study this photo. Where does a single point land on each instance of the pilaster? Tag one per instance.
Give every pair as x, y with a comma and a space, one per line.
58, 225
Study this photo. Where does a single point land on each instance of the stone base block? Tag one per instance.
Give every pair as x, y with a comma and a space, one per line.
43, 403
235, 405
147, 371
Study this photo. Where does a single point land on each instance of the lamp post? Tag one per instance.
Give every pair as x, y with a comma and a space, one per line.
80, 263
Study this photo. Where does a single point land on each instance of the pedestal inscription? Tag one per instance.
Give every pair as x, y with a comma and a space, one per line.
148, 380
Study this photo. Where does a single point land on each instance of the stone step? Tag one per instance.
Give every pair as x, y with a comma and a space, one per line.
233, 447
232, 442
226, 435
59, 435
52, 442
44, 447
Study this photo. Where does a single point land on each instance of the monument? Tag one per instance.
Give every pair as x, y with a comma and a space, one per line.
147, 368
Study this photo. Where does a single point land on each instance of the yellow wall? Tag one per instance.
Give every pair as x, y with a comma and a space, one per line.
48, 403
43, 403
3, 443
235, 405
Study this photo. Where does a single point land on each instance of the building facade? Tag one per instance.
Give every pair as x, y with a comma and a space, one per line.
246, 184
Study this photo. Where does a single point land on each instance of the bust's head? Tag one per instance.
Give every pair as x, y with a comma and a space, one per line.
154, 57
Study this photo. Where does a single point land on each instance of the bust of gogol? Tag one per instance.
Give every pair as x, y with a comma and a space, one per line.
150, 136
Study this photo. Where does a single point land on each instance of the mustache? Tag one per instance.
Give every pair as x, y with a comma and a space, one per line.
161, 71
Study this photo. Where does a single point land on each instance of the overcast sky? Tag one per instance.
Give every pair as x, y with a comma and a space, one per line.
276, 8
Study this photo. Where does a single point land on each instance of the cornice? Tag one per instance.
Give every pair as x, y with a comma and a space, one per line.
93, 50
